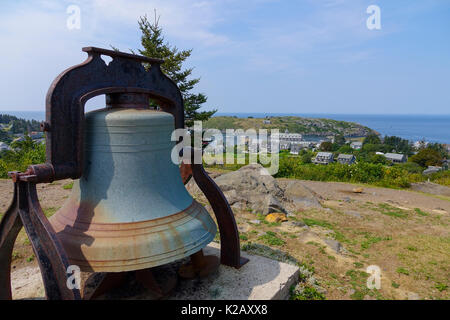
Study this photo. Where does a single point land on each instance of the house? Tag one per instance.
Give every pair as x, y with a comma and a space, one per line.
356, 145
432, 169
285, 145
445, 164
295, 149
346, 158
290, 137
396, 157
4, 147
323, 158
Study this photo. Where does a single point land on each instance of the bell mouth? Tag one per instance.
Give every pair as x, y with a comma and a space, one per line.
118, 247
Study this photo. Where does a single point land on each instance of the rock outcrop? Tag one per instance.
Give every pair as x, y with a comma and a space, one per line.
250, 188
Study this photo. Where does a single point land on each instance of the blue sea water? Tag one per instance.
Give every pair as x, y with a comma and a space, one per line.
433, 128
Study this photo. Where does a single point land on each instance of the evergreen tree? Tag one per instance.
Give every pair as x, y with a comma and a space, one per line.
155, 46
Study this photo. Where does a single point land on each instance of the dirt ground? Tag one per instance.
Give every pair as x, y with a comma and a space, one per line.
404, 233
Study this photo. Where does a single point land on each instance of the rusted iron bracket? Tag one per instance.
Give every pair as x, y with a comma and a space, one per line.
25, 211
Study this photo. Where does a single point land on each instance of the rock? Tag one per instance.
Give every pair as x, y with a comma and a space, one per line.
353, 213
299, 224
255, 221
336, 246
413, 296
347, 199
243, 227
267, 204
251, 188
357, 190
276, 217
301, 196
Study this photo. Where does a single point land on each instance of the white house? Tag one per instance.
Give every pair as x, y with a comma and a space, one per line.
346, 158
396, 157
323, 158
356, 145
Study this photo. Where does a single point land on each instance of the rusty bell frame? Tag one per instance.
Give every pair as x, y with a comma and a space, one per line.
65, 101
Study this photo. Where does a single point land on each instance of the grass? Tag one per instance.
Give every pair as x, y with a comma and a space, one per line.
50, 211
68, 186
402, 270
389, 210
395, 285
441, 287
420, 212
308, 293
271, 239
370, 239
312, 222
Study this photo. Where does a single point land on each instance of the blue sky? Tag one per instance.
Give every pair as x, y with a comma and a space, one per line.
310, 56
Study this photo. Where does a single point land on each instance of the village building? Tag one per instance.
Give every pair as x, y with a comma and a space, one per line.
396, 157
432, 169
285, 145
346, 158
356, 145
295, 149
445, 164
323, 158
290, 137
4, 147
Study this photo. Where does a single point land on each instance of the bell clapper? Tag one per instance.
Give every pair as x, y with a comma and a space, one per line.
200, 266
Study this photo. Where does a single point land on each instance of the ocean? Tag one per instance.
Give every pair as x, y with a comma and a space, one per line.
433, 128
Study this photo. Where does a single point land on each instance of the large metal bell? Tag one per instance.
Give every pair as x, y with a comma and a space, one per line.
130, 209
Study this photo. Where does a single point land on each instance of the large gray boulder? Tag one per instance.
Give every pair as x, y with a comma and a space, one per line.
253, 188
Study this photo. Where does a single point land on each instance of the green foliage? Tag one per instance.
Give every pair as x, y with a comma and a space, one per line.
24, 154
326, 146
427, 157
154, 45
398, 145
68, 186
307, 293
372, 139
402, 270
441, 287
420, 212
339, 140
361, 172
271, 238
17, 126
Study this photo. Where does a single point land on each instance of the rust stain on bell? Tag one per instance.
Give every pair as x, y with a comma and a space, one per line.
130, 209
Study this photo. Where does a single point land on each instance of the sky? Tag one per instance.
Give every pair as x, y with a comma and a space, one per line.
268, 56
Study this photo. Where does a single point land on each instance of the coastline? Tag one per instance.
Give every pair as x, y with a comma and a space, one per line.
432, 128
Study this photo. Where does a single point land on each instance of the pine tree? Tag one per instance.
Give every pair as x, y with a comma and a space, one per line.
155, 46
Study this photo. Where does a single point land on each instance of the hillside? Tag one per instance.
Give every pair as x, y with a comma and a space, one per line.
333, 233
305, 126
11, 126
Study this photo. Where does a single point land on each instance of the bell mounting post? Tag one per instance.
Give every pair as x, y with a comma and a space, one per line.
127, 79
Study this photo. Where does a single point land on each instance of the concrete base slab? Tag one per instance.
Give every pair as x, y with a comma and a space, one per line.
260, 279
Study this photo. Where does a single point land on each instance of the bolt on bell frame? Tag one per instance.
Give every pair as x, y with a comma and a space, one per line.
124, 76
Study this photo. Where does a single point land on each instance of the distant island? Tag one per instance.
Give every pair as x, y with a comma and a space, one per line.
305, 126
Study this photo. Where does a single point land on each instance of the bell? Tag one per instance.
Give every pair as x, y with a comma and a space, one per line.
130, 210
